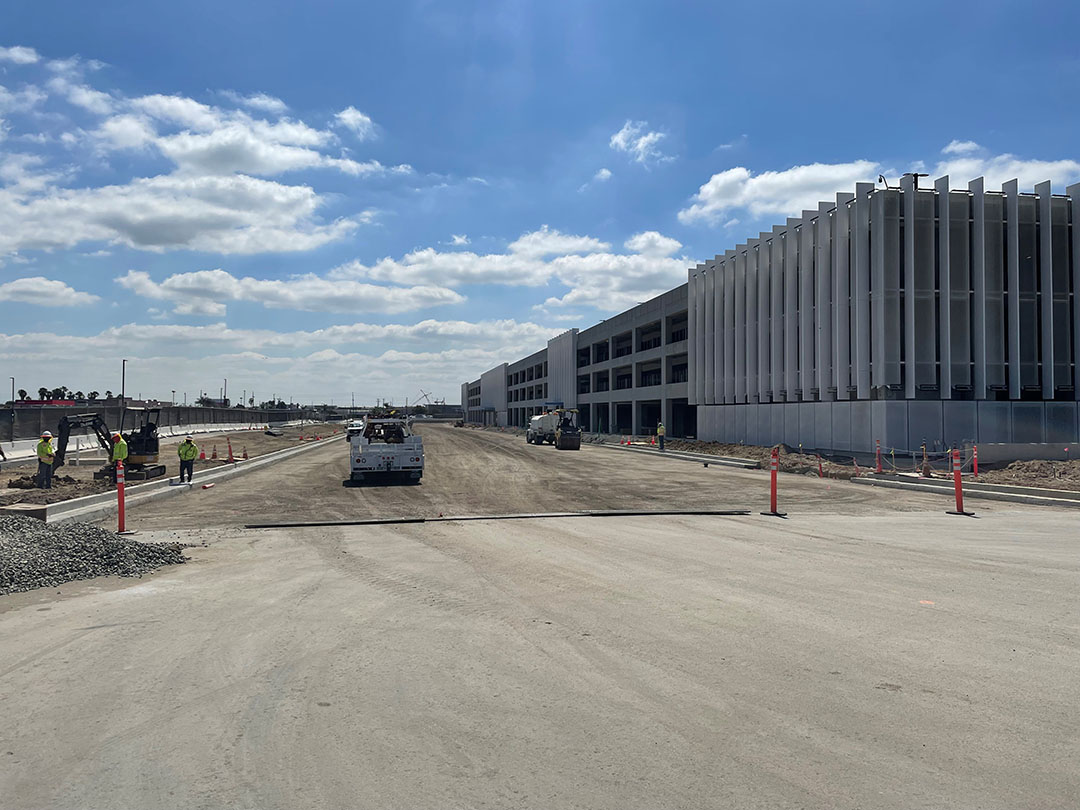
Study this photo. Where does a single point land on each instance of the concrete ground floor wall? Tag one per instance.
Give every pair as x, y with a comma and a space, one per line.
638, 416
904, 425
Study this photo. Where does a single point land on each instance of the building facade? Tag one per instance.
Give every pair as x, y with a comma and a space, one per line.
901, 315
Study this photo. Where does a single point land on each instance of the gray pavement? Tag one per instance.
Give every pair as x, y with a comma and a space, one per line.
889, 659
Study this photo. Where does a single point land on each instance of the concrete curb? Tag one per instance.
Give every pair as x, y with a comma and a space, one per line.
721, 461
90, 507
976, 491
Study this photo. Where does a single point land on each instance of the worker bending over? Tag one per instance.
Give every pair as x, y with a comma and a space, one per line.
45, 455
188, 452
119, 452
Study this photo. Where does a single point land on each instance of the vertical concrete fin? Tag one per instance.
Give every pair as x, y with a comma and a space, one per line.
978, 280
1046, 287
841, 264
941, 186
860, 235
1011, 190
1073, 193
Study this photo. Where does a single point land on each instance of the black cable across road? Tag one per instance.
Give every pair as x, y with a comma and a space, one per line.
525, 516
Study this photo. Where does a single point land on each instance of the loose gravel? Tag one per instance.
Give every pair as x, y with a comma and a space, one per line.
34, 554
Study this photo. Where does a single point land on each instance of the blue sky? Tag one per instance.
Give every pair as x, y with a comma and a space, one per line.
324, 198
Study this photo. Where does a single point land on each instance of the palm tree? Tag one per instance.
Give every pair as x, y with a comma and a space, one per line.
108, 395
92, 395
43, 392
23, 394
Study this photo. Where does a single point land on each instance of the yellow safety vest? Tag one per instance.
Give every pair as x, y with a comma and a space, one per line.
188, 451
660, 430
119, 451
45, 451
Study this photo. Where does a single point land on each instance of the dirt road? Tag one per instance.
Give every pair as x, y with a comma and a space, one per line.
475, 472
865, 653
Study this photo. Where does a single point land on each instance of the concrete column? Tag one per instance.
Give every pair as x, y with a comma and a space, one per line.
841, 267
861, 289
978, 280
776, 319
751, 321
823, 301
791, 311
941, 186
1046, 287
729, 326
764, 331
1073, 192
710, 332
885, 295
691, 334
1011, 190
740, 323
807, 342
719, 332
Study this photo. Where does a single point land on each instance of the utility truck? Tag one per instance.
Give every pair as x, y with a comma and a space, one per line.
558, 427
385, 450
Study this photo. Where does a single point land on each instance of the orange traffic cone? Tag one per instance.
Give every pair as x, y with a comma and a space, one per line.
202, 455
653, 442
245, 456
213, 455
301, 437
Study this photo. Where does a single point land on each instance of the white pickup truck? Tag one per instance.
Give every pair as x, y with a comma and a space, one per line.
386, 449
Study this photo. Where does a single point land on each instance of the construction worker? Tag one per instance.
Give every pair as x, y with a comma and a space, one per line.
45, 454
660, 431
119, 452
188, 452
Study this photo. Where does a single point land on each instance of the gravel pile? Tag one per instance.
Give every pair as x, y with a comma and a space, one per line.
34, 554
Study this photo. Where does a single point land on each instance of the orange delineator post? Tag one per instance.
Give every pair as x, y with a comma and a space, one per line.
877, 453
820, 471
214, 454
774, 466
229, 442
975, 458
958, 486
120, 496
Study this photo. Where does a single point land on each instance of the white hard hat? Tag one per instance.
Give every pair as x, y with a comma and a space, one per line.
46, 434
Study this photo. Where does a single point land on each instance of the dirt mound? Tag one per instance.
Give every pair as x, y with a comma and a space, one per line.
1046, 474
796, 463
30, 481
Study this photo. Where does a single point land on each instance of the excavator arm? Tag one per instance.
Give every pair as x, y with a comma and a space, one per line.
82, 420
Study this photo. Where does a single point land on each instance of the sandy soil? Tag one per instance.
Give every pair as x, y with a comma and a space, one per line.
1048, 474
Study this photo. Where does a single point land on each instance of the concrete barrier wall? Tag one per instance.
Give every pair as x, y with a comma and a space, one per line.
24, 449
29, 422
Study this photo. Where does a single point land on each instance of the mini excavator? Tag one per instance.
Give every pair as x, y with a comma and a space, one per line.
142, 441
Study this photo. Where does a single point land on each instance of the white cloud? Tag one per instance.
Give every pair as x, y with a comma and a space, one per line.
594, 275
258, 101
635, 139
82, 95
179, 110
19, 54
777, 193
393, 360
999, 169
217, 214
602, 176
44, 292
458, 239
125, 132
789, 192
360, 124
21, 100
651, 243
204, 292
956, 147
547, 241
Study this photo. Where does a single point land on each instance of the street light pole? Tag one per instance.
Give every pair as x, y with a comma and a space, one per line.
123, 395
225, 395
12, 411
